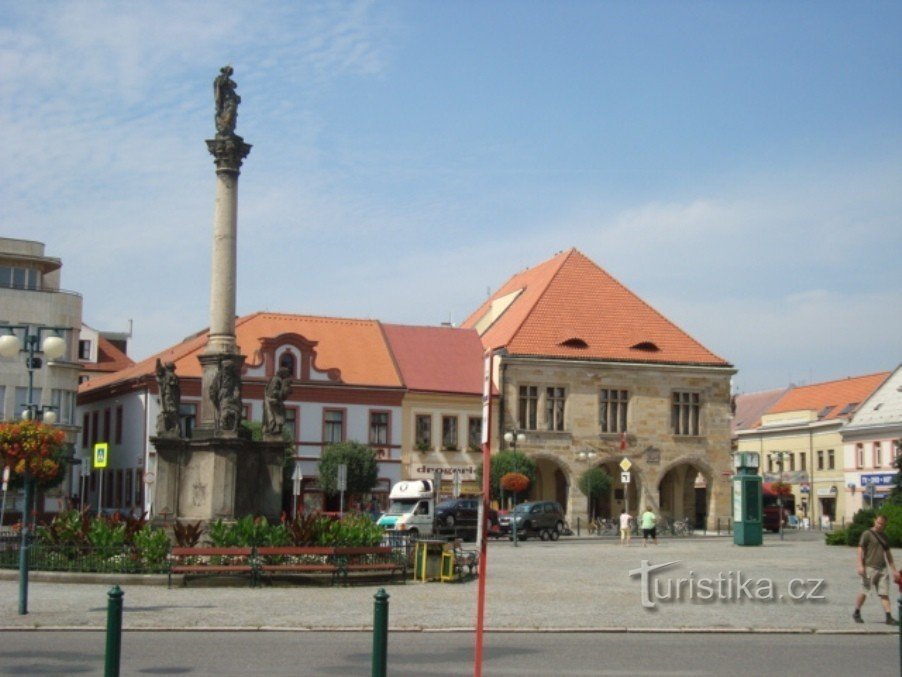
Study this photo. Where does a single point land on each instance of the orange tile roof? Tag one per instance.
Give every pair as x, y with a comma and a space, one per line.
357, 348
437, 359
570, 308
838, 394
750, 407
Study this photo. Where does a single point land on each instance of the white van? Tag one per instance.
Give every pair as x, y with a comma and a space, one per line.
411, 508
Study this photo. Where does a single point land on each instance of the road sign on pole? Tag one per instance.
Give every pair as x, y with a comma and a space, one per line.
625, 477
101, 454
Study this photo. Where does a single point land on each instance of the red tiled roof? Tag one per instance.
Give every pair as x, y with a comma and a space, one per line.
357, 348
437, 359
750, 407
568, 307
839, 395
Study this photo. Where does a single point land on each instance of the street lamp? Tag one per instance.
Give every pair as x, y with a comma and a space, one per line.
780, 457
53, 347
513, 438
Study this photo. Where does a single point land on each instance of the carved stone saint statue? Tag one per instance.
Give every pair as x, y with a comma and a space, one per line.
227, 101
274, 403
225, 394
170, 400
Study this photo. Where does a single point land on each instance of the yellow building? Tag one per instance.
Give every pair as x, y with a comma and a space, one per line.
800, 443
441, 429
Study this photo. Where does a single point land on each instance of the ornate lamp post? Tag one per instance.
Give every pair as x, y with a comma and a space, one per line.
586, 456
53, 347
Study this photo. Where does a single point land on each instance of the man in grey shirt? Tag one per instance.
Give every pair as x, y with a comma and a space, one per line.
874, 558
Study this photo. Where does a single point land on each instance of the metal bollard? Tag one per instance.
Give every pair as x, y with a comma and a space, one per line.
577, 526
380, 633
113, 632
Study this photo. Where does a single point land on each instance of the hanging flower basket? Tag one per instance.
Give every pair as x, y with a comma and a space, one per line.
33, 445
515, 482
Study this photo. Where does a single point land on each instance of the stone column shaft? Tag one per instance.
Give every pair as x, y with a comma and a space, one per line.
224, 270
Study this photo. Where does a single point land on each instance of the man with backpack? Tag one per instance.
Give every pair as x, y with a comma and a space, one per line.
875, 562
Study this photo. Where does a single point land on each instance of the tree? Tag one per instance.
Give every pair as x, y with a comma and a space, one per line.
895, 496
505, 462
40, 448
595, 483
363, 469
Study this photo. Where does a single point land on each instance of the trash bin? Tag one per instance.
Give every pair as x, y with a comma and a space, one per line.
428, 560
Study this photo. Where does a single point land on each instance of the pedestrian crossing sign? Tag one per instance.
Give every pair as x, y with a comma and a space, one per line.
101, 454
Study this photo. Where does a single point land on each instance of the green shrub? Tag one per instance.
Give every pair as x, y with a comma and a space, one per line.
893, 523
67, 528
106, 536
152, 545
247, 532
837, 537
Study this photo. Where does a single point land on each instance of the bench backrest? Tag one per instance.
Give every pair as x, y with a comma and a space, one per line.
296, 551
375, 550
211, 552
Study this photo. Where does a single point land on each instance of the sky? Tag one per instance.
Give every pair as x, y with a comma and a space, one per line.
737, 165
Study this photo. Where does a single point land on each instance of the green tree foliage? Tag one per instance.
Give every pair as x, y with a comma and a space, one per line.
505, 462
895, 496
595, 483
363, 469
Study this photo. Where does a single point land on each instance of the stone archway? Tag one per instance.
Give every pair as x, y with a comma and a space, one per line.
552, 481
685, 491
620, 497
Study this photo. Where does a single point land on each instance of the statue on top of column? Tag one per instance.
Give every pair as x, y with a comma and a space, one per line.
227, 101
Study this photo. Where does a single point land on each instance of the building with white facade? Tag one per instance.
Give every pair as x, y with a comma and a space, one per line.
30, 295
346, 386
872, 441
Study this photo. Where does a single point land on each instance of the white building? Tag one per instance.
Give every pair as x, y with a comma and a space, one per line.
871, 444
30, 295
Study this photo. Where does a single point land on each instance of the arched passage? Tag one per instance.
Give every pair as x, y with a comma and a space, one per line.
684, 492
551, 481
621, 497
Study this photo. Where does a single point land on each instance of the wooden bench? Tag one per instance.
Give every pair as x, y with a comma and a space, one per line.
207, 561
370, 560
273, 560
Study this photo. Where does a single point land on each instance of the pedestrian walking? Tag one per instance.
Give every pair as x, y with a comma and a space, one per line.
625, 520
875, 563
648, 527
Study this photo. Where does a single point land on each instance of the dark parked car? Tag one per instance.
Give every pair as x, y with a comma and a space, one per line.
457, 512
545, 518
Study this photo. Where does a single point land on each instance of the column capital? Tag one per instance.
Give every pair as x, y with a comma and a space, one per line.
228, 151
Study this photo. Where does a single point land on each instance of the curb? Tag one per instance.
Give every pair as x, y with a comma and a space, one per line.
461, 630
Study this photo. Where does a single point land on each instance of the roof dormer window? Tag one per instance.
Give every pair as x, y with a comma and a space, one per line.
646, 347
574, 342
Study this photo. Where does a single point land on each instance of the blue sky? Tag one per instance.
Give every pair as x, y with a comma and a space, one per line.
738, 165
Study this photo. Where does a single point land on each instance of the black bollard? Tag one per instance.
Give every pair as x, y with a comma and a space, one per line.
113, 632
380, 634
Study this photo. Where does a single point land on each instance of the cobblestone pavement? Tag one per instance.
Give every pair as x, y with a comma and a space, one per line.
574, 584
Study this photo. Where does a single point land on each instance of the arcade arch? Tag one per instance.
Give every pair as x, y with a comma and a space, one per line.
684, 491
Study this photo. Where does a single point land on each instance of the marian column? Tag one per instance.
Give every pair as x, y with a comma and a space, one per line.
221, 409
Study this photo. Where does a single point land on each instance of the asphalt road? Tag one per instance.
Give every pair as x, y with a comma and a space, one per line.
442, 653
